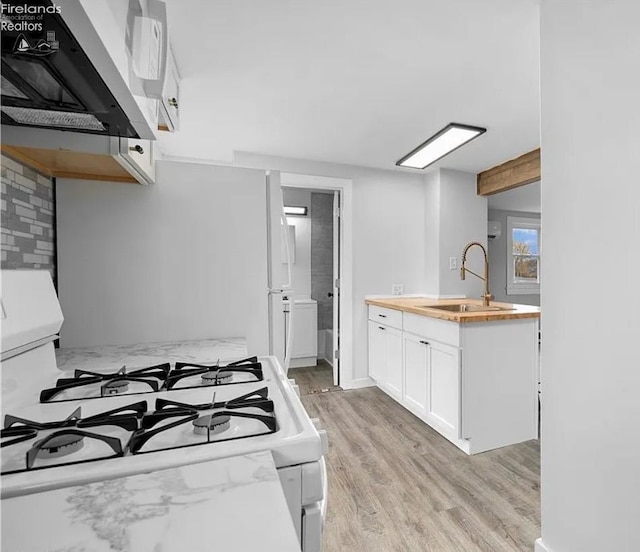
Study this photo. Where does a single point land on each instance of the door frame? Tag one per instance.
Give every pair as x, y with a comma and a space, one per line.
344, 186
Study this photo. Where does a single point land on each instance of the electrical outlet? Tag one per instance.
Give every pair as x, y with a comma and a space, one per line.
453, 263
397, 289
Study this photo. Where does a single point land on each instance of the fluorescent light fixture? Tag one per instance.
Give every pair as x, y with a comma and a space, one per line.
291, 210
440, 144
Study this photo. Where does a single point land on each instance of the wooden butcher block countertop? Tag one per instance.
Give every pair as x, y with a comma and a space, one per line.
422, 306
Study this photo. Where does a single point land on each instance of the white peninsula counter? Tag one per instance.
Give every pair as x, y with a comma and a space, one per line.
469, 371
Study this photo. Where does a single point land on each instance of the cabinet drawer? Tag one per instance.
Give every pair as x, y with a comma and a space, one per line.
388, 317
433, 328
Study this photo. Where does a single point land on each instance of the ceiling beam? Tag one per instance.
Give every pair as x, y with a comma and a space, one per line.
517, 172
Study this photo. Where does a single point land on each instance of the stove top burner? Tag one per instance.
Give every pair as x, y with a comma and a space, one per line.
217, 377
60, 445
114, 387
211, 424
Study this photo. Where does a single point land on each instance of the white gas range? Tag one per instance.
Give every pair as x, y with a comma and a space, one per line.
70, 428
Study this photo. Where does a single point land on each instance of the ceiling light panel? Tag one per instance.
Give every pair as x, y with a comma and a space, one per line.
440, 144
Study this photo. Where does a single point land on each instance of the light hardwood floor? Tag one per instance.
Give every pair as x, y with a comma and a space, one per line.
312, 379
397, 485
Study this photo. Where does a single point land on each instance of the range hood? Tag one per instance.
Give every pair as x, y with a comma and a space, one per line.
48, 81
58, 74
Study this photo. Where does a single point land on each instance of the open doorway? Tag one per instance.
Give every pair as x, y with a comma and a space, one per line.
318, 235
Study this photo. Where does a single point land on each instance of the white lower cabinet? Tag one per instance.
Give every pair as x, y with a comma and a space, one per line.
432, 382
385, 358
416, 374
474, 383
444, 387
393, 359
377, 351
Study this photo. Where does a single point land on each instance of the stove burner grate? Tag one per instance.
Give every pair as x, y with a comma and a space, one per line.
68, 436
171, 414
153, 377
216, 374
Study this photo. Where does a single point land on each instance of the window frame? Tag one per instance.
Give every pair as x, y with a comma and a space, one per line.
522, 288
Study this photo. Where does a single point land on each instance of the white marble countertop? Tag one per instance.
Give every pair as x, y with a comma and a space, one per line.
113, 357
230, 504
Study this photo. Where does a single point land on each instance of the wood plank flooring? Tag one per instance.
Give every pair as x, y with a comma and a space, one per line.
397, 485
314, 379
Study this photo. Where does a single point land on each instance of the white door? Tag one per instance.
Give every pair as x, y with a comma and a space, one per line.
336, 288
416, 365
444, 387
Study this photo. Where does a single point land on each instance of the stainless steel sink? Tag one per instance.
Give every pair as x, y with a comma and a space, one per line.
465, 307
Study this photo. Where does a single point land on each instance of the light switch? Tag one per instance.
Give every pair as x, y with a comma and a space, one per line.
397, 289
453, 263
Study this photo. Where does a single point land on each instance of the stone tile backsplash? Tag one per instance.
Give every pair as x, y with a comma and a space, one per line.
28, 232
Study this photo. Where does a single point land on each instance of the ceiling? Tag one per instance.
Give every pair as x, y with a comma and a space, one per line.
525, 198
360, 82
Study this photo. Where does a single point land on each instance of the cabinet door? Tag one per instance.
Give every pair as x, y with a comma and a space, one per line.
393, 357
304, 341
171, 96
444, 387
416, 366
136, 157
377, 351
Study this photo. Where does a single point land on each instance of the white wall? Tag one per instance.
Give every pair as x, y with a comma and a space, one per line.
590, 302
301, 269
144, 263
432, 232
463, 219
388, 233
454, 216
524, 198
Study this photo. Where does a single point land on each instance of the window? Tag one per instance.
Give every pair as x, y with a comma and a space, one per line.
523, 256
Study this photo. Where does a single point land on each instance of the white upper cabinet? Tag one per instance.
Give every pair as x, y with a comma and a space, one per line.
170, 105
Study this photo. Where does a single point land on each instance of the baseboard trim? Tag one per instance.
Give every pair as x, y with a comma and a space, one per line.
541, 546
361, 382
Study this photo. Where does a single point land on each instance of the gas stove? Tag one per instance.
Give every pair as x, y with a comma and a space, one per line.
67, 428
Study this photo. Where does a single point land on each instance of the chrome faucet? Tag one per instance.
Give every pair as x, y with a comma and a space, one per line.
486, 298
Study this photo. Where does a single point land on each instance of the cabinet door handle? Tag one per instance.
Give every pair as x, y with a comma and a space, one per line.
424, 342
173, 102
137, 148
383, 329
382, 315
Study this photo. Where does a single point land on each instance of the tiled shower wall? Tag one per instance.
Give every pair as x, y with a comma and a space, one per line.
28, 232
322, 256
